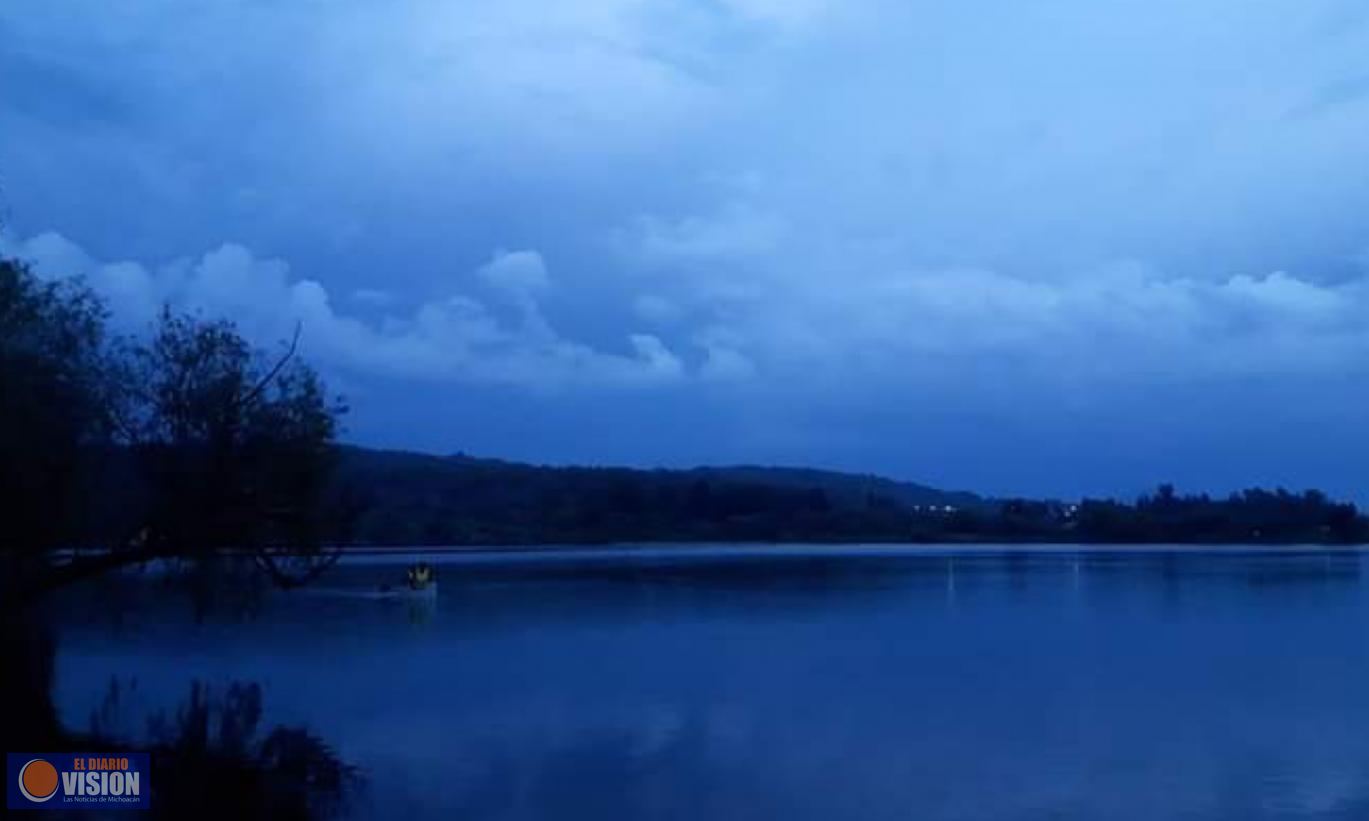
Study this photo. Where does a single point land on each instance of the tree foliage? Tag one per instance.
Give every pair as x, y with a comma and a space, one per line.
236, 447
208, 446
54, 397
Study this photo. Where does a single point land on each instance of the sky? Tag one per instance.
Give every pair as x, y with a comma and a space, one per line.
1067, 247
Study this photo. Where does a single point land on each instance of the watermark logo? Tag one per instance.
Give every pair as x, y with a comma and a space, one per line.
38, 780
68, 781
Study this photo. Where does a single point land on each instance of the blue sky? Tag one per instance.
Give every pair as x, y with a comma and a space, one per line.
1062, 247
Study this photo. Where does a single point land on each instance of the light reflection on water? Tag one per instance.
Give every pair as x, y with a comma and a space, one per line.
793, 682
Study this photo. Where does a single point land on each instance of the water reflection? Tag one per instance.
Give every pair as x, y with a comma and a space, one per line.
797, 683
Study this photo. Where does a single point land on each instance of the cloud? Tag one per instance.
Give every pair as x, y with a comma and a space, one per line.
655, 309
799, 205
377, 297
522, 273
456, 337
655, 355
736, 230
1124, 321
1060, 136
861, 319
784, 13
723, 361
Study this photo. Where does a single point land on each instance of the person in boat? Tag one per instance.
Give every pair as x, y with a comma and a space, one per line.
419, 576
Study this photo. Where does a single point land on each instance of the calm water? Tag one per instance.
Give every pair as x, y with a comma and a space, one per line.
794, 683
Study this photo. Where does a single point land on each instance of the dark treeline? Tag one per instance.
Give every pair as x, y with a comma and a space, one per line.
1254, 516
388, 498
408, 498
414, 499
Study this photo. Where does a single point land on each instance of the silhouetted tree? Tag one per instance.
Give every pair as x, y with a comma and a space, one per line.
216, 448
237, 449
55, 397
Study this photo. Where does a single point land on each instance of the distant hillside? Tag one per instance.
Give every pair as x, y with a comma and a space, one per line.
846, 488
397, 498
411, 498
394, 498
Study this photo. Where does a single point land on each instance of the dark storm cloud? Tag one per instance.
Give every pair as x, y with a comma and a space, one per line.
939, 240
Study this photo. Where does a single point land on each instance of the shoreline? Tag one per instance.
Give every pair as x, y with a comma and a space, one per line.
931, 548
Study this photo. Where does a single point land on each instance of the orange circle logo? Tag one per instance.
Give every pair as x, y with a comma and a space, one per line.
38, 780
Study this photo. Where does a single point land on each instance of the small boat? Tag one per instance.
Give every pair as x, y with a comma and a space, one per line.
420, 581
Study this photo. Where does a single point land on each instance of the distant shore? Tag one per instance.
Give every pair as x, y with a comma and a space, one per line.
851, 547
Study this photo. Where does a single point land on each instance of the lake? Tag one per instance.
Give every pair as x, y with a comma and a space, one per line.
789, 682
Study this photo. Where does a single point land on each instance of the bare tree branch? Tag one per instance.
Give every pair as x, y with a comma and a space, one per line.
78, 569
271, 375
285, 579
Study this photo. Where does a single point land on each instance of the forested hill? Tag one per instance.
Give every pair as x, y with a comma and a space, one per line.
844, 488
411, 498
400, 498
